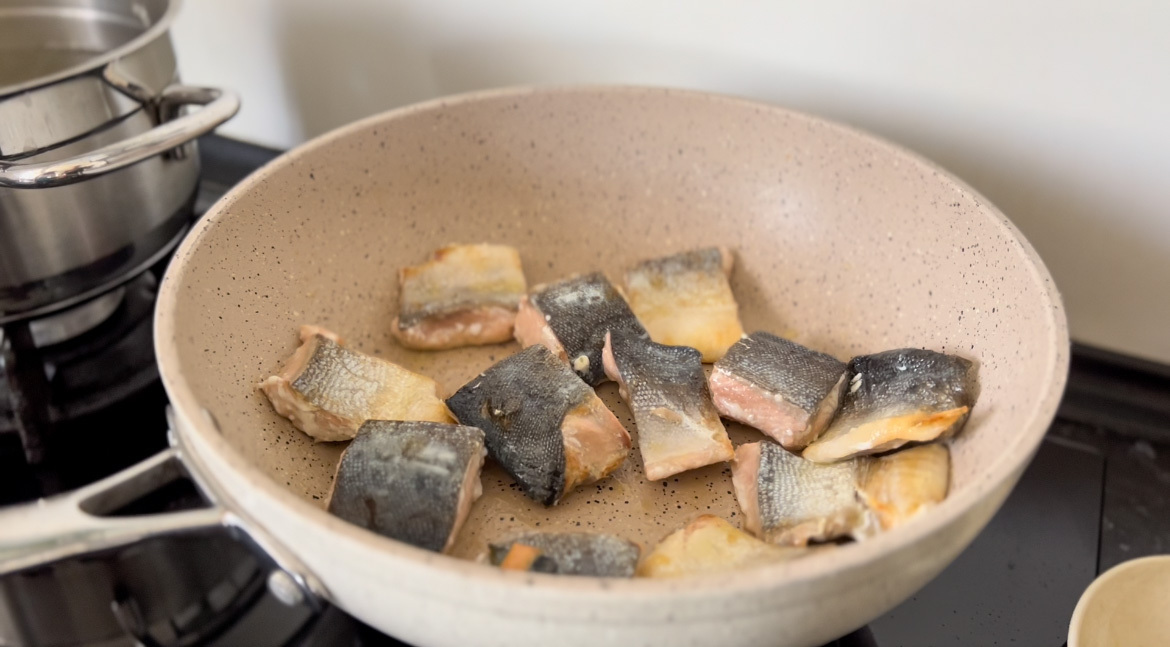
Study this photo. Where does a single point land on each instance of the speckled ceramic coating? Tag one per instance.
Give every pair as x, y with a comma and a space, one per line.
843, 243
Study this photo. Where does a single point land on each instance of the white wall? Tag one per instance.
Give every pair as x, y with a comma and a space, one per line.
1057, 110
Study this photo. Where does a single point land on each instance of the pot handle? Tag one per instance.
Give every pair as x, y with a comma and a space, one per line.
77, 524
218, 107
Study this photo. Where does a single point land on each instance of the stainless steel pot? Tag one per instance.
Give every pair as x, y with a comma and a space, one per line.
98, 169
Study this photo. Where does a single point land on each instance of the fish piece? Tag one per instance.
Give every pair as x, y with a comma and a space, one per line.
678, 426
897, 487
788, 500
574, 553
521, 557
466, 295
710, 545
328, 390
543, 425
785, 390
571, 318
410, 481
897, 397
686, 300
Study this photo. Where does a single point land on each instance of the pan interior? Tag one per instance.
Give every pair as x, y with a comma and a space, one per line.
843, 243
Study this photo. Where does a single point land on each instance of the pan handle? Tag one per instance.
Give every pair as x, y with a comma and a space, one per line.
72, 525
79, 523
218, 107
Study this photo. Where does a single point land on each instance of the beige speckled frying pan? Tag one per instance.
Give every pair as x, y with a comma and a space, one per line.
844, 243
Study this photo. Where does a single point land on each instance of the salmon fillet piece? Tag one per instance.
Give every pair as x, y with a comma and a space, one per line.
898, 397
410, 481
898, 487
570, 553
543, 425
785, 390
710, 545
328, 390
788, 500
571, 317
522, 557
678, 426
686, 300
466, 295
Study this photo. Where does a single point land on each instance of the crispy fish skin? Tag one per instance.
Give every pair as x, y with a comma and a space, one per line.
575, 553
328, 390
571, 317
543, 425
410, 481
465, 295
710, 545
678, 426
791, 501
896, 397
686, 300
898, 487
785, 390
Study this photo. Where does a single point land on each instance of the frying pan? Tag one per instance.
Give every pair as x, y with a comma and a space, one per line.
843, 242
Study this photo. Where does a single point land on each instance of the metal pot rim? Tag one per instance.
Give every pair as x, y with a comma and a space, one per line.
153, 32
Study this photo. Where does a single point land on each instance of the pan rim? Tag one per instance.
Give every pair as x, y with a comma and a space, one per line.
1007, 466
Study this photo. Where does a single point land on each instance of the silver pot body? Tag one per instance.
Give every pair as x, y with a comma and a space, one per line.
98, 167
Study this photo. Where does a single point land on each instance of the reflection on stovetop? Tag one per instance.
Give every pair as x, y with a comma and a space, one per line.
1096, 493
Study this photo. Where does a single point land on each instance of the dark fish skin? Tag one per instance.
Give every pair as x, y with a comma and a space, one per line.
891, 399
907, 380
580, 310
661, 375
576, 553
520, 403
801, 375
405, 480
497, 553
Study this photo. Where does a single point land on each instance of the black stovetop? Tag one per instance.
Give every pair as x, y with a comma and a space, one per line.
1097, 493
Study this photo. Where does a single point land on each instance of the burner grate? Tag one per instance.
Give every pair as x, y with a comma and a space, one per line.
47, 386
